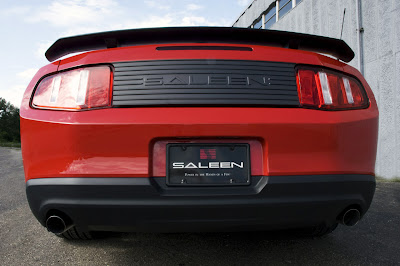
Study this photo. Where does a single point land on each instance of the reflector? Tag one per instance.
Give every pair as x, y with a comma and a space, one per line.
358, 93
309, 94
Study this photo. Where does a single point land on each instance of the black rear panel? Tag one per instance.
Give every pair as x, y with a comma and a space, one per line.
204, 83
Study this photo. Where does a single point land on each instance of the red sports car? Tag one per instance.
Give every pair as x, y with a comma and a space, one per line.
198, 129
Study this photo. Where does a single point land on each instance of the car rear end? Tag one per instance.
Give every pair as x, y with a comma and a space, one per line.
187, 136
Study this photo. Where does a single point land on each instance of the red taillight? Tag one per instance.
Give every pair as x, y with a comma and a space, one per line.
329, 90
77, 89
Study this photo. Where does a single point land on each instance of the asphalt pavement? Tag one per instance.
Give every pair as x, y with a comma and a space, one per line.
23, 241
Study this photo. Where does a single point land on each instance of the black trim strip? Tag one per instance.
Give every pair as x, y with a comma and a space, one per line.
204, 48
155, 186
205, 102
200, 91
227, 63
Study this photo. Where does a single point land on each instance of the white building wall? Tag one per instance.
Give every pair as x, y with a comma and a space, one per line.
381, 55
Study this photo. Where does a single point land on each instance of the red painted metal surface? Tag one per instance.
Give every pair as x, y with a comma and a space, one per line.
130, 142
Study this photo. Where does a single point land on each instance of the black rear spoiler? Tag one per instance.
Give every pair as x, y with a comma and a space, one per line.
112, 39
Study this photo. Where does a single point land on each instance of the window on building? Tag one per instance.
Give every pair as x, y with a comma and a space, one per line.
270, 17
283, 2
258, 24
284, 7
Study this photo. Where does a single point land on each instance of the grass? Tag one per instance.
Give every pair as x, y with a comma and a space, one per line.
381, 179
10, 144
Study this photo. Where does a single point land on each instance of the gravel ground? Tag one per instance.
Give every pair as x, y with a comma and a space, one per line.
23, 241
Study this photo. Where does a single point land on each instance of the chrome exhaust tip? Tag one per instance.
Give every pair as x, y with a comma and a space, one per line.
57, 225
350, 217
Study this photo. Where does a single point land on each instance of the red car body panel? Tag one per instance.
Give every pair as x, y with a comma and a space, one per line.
119, 142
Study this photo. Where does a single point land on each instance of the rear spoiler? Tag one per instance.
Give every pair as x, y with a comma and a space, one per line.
112, 39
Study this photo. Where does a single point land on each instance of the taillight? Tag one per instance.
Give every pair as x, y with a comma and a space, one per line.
77, 89
329, 90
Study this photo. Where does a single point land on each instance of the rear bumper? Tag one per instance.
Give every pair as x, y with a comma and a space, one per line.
147, 204
129, 142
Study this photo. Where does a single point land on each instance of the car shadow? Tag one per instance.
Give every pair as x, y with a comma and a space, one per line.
239, 248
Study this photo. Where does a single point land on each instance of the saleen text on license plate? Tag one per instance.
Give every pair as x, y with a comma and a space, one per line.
208, 164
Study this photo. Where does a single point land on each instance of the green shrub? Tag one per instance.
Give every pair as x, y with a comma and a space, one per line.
9, 122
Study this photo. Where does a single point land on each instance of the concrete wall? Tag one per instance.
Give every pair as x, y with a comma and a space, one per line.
381, 21
381, 55
252, 12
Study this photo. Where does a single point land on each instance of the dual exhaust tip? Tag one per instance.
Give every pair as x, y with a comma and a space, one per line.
58, 225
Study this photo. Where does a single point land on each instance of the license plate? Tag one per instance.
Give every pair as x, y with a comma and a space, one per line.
199, 164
